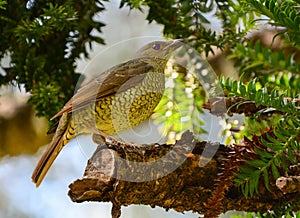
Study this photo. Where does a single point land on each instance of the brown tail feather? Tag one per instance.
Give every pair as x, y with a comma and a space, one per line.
53, 149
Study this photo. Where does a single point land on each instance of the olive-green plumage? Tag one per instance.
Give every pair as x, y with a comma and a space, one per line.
116, 100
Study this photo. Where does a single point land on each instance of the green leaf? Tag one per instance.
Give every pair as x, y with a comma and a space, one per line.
251, 86
253, 65
246, 170
272, 146
257, 163
263, 154
245, 190
227, 83
283, 130
271, 5
253, 186
266, 180
243, 90
275, 172
295, 145
235, 86
292, 156
284, 163
258, 97
273, 140
277, 161
279, 135
274, 94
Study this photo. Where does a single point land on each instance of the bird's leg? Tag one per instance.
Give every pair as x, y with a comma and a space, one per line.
104, 137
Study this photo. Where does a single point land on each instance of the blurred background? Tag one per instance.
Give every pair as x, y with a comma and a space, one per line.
23, 135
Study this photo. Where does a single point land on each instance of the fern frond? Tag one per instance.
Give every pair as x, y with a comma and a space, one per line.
259, 95
273, 152
282, 14
253, 57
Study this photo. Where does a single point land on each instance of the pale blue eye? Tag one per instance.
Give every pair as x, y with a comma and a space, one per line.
156, 46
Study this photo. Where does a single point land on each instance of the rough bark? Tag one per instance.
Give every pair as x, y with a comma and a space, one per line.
200, 184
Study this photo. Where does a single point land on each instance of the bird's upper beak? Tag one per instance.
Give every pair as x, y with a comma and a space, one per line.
174, 44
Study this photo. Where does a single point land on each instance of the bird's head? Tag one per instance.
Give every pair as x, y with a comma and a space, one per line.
160, 49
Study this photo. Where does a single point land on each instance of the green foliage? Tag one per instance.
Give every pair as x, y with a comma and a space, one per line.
282, 14
279, 148
242, 18
43, 40
189, 20
254, 91
274, 69
2, 4
284, 212
256, 126
259, 58
180, 106
279, 152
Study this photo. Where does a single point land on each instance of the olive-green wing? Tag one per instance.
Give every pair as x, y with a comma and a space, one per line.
108, 83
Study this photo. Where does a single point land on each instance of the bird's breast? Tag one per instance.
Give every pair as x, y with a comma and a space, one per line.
125, 109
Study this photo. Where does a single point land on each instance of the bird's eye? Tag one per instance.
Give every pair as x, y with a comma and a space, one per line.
156, 46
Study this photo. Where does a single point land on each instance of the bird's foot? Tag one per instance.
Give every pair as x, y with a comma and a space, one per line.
104, 138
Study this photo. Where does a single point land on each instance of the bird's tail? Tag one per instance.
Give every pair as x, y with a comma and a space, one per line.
59, 139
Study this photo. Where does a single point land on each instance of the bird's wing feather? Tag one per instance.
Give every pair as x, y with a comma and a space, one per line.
108, 83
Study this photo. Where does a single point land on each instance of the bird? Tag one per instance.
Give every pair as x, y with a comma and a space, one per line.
116, 100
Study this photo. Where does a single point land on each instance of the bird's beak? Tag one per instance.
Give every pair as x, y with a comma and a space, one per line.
174, 44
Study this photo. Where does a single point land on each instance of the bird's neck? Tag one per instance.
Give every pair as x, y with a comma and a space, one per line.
156, 62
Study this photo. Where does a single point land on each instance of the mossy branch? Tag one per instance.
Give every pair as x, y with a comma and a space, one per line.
188, 188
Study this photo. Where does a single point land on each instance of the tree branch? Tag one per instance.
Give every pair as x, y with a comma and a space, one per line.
193, 186
241, 105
